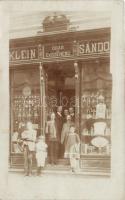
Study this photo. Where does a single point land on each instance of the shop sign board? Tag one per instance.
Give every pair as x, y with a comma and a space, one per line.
23, 54
92, 47
60, 50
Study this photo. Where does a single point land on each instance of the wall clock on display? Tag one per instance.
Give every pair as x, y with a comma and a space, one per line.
26, 91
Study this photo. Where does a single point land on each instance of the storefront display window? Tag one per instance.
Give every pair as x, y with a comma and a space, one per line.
25, 104
96, 112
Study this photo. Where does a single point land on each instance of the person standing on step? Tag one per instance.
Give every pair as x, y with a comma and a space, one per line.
72, 149
65, 114
65, 131
53, 140
59, 125
72, 114
74, 156
41, 153
28, 138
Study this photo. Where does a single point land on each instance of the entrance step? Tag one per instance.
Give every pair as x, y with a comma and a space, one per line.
63, 161
57, 167
59, 171
66, 169
88, 164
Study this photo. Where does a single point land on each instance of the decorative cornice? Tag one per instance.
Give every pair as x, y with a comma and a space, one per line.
24, 26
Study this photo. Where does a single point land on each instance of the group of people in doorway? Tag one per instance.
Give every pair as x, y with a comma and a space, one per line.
59, 141
61, 134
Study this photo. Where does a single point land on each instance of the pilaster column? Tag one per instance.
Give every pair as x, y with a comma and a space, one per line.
4, 101
118, 99
77, 95
43, 97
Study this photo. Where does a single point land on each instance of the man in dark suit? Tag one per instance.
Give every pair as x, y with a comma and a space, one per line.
72, 114
59, 124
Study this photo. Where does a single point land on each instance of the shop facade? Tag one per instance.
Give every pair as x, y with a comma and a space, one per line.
68, 69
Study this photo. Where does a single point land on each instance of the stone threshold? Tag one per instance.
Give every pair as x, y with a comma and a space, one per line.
85, 172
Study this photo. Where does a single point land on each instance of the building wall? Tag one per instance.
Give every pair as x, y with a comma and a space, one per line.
4, 101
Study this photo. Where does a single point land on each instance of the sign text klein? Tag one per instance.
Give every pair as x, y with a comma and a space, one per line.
26, 53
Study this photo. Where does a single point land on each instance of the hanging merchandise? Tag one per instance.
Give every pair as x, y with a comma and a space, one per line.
101, 108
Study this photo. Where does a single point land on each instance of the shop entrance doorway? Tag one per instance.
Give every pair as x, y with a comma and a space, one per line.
60, 92
60, 86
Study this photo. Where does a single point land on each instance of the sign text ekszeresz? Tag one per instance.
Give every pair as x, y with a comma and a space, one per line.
59, 50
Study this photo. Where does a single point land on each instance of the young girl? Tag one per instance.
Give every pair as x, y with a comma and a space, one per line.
72, 147
41, 153
75, 156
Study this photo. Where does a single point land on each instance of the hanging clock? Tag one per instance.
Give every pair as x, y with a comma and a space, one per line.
26, 91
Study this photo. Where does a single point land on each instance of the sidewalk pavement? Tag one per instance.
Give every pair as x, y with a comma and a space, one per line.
52, 186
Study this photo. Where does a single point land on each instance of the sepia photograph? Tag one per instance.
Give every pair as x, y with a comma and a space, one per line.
62, 100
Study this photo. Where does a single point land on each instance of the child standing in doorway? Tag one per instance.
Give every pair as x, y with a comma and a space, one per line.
72, 150
41, 153
75, 156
